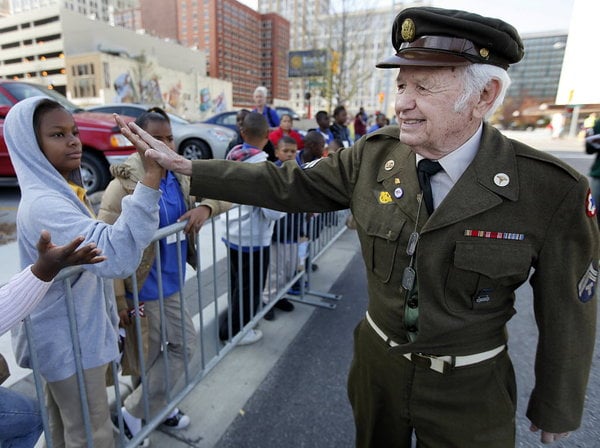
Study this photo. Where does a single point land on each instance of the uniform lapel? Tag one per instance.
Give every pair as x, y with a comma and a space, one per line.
490, 179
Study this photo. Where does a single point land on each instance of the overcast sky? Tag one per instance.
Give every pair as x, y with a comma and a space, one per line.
526, 15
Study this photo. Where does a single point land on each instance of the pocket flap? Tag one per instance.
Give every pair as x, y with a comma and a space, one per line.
494, 259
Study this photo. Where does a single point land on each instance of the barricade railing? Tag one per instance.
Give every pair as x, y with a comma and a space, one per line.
207, 294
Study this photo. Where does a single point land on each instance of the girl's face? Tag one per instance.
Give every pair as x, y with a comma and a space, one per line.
161, 130
286, 122
59, 141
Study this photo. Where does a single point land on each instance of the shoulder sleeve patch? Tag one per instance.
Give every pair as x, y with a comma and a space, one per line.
590, 204
587, 285
311, 164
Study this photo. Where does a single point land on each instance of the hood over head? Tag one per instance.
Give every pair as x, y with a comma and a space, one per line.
34, 171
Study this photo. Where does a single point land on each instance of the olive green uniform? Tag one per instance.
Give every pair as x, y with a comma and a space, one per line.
539, 220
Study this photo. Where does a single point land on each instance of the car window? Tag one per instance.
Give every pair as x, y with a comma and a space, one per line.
4, 101
228, 119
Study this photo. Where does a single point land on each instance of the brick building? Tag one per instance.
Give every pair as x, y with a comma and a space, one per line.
241, 45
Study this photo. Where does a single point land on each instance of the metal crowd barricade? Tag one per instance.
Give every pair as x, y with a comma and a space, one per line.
207, 292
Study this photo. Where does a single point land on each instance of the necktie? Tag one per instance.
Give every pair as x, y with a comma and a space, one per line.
425, 169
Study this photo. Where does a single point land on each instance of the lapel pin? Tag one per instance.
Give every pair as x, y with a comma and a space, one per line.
501, 179
389, 165
384, 197
398, 193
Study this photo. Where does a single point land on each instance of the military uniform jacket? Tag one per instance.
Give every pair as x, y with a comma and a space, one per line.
541, 226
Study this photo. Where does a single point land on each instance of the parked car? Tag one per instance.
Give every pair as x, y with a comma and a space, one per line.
103, 143
192, 140
226, 119
287, 110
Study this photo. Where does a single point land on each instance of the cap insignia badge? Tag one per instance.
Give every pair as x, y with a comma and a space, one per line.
408, 30
484, 53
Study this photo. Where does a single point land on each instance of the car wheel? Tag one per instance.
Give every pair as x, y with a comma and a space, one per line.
94, 173
195, 149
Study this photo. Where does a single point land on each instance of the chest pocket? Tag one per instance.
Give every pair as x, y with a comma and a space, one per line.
381, 241
485, 273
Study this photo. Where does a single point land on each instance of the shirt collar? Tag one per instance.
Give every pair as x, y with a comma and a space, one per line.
456, 162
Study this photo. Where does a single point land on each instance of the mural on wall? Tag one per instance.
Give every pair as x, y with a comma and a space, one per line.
173, 96
151, 86
148, 88
216, 105
220, 104
124, 89
205, 102
150, 91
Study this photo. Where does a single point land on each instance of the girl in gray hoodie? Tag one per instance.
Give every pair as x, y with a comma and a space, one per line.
44, 146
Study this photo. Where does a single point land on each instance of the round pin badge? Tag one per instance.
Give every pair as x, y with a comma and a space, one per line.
389, 165
501, 179
398, 193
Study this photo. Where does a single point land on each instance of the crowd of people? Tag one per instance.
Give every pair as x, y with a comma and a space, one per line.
449, 220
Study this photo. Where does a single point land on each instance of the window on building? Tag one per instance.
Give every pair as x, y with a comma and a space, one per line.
84, 81
10, 45
45, 21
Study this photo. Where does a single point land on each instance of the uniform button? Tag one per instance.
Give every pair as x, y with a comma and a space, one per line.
412, 329
413, 303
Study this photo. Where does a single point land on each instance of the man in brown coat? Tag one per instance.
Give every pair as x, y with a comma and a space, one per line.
452, 218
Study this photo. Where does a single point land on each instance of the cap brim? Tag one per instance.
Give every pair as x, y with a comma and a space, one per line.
423, 58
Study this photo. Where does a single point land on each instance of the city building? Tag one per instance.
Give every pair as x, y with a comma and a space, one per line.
96, 9
92, 62
304, 17
241, 45
534, 80
4, 8
355, 37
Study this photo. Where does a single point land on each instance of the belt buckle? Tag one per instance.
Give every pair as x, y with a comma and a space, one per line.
431, 362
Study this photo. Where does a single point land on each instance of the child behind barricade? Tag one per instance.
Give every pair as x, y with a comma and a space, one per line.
286, 234
175, 205
45, 149
314, 148
248, 238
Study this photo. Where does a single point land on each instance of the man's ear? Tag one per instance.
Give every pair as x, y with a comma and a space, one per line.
487, 98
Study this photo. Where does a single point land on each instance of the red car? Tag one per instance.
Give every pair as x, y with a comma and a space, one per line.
103, 143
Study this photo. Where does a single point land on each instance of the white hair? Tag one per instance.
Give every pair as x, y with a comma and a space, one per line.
263, 90
475, 78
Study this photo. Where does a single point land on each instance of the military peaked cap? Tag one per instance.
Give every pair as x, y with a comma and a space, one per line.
440, 37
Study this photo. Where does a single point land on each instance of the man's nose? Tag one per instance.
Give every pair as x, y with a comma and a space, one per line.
405, 101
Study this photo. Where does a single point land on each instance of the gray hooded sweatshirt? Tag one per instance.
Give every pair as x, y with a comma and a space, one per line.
48, 202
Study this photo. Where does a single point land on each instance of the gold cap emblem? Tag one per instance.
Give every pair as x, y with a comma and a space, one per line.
408, 30
484, 53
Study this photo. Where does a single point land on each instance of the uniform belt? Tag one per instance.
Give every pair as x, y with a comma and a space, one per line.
441, 364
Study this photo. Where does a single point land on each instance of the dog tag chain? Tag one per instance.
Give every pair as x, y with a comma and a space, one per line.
409, 274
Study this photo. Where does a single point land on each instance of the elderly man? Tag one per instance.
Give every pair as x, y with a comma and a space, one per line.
452, 218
